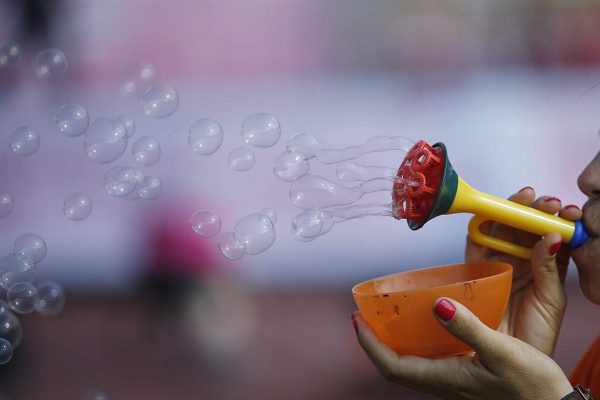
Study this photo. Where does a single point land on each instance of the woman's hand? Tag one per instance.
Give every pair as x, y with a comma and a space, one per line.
503, 367
537, 303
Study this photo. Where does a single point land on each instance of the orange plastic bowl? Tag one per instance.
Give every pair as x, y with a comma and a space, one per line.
398, 307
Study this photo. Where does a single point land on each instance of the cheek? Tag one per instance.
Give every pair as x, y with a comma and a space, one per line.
587, 259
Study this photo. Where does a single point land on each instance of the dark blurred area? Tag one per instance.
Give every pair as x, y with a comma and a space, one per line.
155, 312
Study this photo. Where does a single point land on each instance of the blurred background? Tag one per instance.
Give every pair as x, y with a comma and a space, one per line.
154, 311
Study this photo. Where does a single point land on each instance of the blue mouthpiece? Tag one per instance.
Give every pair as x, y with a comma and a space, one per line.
580, 236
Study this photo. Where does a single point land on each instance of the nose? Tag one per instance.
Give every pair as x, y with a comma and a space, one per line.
589, 180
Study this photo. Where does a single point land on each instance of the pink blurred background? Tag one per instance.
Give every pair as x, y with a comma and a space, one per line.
508, 86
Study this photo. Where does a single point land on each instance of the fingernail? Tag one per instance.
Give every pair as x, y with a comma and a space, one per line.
445, 310
354, 324
554, 248
547, 199
525, 188
572, 206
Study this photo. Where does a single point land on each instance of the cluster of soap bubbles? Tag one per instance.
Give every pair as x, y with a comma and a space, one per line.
252, 234
140, 81
131, 183
259, 130
50, 64
24, 295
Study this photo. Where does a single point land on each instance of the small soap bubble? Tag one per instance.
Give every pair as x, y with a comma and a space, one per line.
122, 181
261, 130
269, 213
11, 328
230, 247
6, 351
241, 159
205, 223
290, 166
4, 308
95, 395
22, 297
310, 224
16, 262
105, 140
7, 203
138, 77
255, 232
160, 101
10, 55
205, 136
127, 123
150, 188
146, 150
51, 298
72, 120
50, 64
24, 141
9, 278
32, 246
77, 206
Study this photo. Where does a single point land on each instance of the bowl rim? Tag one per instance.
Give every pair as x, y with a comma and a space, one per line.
356, 292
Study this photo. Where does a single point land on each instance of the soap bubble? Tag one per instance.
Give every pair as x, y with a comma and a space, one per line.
72, 120
150, 188
146, 150
241, 159
51, 298
6, 351
4, 308
205, 223
269, 213
255, 232
22, 297
24, 141
9, 278
77, 206
290, 166
312, 223
205, 136
95, 395
128, 124
261, 130
105, 140
160, 101
230, 247
16, 262
10, 55
32, 246
121, 181
138, 77
7, 203
11, 328
50, 64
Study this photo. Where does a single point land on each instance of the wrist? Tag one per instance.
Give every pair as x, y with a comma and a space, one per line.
579, 393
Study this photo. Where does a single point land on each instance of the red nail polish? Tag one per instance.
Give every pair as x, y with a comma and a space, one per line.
525, 188
554, 248
572, 206
445, 310
354, 324
547, 199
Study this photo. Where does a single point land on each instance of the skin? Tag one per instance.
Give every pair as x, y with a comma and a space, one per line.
513, 362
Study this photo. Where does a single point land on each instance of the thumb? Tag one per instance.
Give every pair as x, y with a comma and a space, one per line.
491, 346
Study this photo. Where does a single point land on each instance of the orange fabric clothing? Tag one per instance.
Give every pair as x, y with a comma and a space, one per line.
587, 371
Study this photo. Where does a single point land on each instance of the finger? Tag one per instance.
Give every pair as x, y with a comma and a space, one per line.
407, 370
493, 348
571, 212
525, 197
548, 204
546, 276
